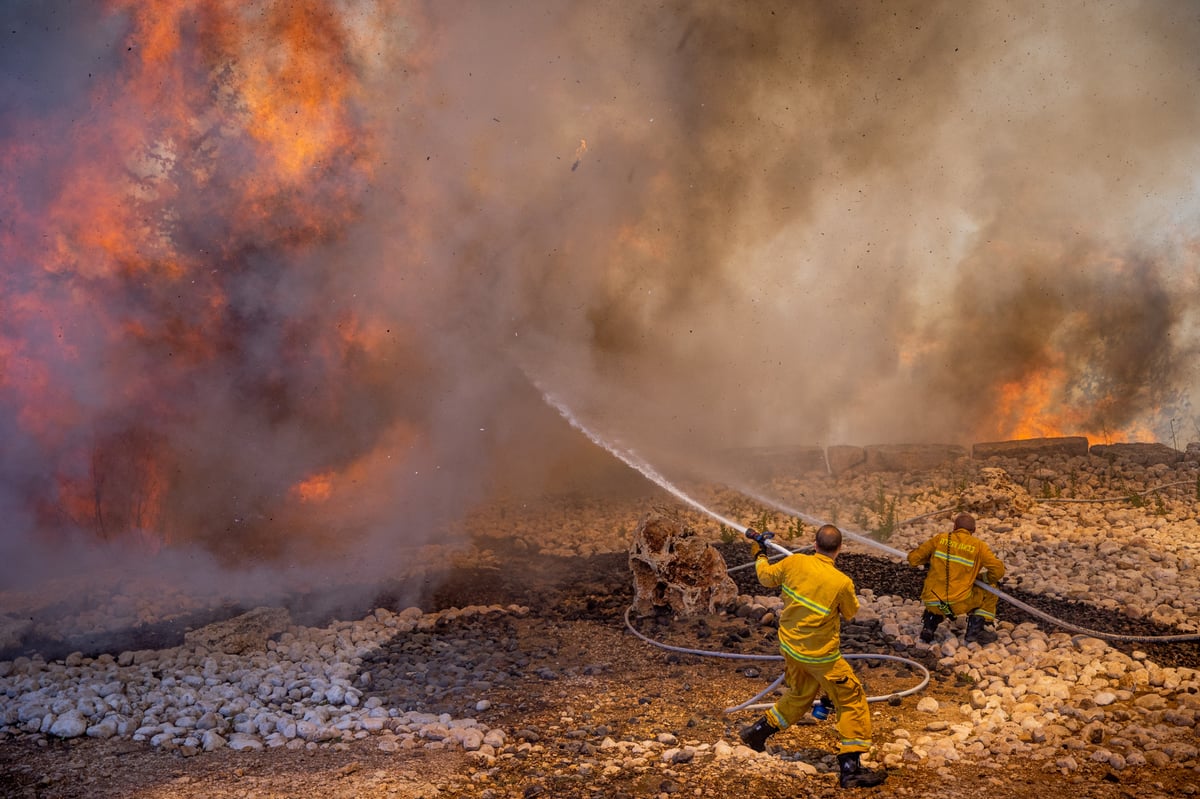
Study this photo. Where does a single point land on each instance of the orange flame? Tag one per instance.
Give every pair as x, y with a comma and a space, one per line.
231, 127
124, 489
1037, 406
1025, 407
317, 488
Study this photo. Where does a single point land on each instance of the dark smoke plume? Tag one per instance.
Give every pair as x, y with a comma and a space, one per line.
704, 224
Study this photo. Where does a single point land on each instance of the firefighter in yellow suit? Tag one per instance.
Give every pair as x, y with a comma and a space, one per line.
956, 560
816, 596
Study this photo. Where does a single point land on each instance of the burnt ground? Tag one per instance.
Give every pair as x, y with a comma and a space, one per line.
585, 678
601, 591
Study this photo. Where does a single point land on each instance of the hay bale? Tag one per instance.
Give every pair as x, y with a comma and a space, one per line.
1140, 453
911, 457
673, 568
1017, 448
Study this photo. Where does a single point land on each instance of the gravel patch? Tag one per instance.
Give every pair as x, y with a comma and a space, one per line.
452, 676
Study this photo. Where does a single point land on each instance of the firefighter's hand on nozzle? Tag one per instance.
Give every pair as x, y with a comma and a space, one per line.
759, 539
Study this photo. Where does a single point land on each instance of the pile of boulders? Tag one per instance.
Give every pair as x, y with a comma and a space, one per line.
304, 689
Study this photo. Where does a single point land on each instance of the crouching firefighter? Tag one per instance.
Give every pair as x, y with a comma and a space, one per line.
816, 596
956, 559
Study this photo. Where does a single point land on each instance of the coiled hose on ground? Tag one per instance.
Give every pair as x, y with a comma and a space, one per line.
753, 702
636, 462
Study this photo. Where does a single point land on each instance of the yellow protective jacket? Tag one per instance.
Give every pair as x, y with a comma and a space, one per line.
955, 561
815, 594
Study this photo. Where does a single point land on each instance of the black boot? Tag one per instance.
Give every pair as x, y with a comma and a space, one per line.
853, 775
929, 625
755, 736
977, 632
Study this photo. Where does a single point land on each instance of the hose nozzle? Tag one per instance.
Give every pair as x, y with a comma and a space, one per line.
760, 538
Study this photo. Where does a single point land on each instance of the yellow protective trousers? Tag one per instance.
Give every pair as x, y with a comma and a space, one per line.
839, 682
979, 603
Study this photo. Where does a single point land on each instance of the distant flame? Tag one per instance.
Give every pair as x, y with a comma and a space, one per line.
122, 490
1025, 407
317, 488
1038, 406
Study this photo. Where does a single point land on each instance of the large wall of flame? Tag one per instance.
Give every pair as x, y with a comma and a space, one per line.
276, 274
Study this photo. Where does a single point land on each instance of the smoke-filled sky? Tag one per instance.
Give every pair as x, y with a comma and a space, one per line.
277, 275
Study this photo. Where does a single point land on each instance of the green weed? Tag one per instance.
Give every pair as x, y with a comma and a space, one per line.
1136, 499
883, 508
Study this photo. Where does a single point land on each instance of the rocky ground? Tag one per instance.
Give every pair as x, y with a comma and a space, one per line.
514, 673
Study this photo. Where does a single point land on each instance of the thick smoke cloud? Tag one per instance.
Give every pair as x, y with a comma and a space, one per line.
832, 223
702, 225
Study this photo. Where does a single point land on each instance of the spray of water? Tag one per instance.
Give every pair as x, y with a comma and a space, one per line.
813, 520
630, 459
635, 462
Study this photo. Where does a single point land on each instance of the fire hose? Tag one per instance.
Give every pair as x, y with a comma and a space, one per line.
766, 541
752, 703
1030, 609
635, 462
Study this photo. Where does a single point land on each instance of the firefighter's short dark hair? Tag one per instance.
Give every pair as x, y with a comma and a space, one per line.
964, 521
829, 538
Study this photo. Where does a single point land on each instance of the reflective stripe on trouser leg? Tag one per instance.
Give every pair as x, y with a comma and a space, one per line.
986, 603
802, 682
853, 713
839, 681
978, 603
